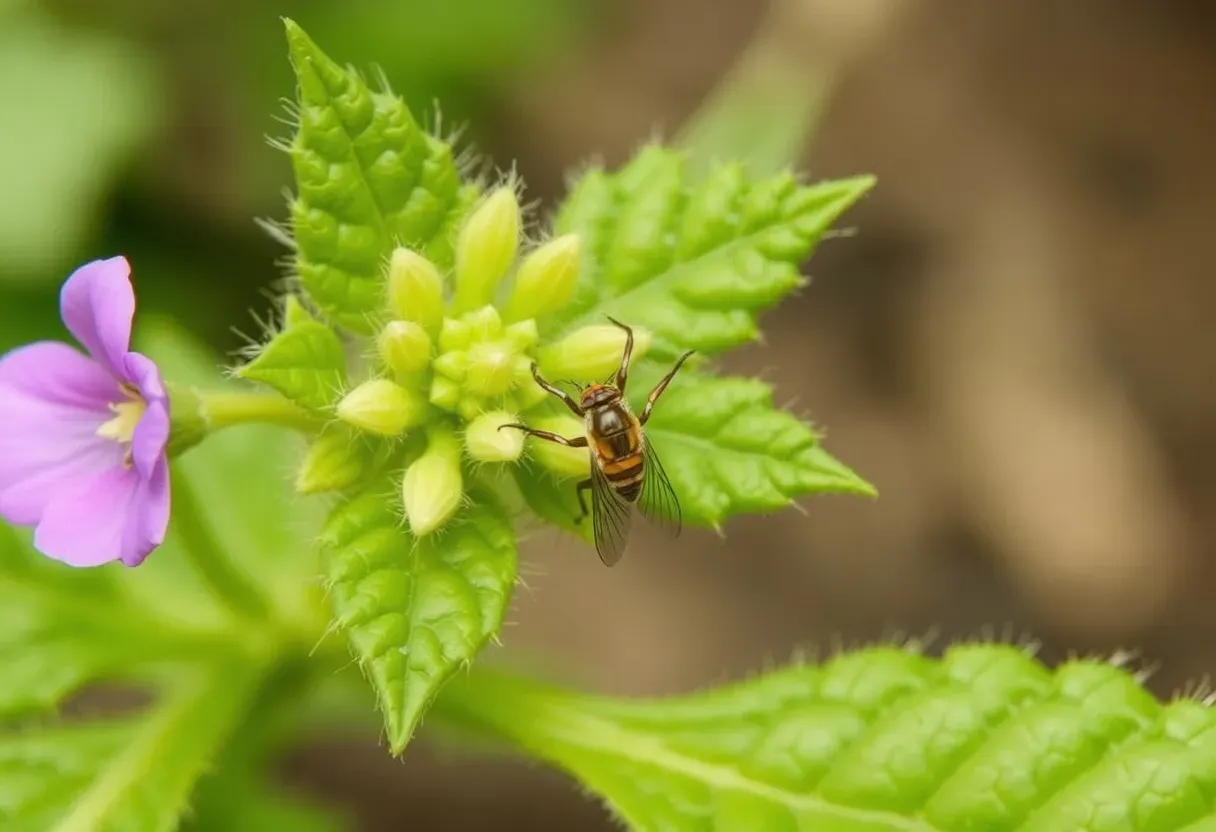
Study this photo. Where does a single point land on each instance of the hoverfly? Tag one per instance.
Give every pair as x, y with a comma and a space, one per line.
625, 471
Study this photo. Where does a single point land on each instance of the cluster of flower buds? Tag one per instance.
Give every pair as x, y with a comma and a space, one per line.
455, 364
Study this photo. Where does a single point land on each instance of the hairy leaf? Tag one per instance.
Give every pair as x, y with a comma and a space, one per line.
129, 774
369, 179
880, 740
693, 262
306, 363
63, 628
416, 610
552, 499
728, 451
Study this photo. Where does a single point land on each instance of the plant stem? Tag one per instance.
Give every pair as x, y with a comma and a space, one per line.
227, 581
222, 410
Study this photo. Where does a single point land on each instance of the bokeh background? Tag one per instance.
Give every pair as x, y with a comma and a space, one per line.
1016, 345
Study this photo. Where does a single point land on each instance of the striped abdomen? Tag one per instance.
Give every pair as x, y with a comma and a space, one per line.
616, 440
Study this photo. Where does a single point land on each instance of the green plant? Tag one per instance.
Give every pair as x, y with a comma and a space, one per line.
406, 344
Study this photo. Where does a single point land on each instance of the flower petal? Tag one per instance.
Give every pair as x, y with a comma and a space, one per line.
52, 400
55, 373
149, 516
87, 526
150, 438
98, 305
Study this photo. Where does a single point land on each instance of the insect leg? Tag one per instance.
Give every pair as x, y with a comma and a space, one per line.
576, 442
622, 374
585, 485
549, 388
661, 386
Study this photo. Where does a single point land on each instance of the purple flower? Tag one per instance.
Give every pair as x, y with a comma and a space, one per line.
82, 438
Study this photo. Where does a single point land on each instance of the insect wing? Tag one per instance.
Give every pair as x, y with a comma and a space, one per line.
611, 515
658, 500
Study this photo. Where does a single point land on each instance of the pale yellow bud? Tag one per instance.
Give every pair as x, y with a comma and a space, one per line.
592, 353
490, 369
382, 407
336, 459
484, 323
404, 346
560, 459
484, 442
522, 335
527, 390
415, 289
486, 249
445, 393
433, 486
545, 280
454, 335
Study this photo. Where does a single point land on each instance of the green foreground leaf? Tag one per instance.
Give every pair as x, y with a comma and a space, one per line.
693, 261
306, 363
879, 740
416, 610
369, 179
125, 774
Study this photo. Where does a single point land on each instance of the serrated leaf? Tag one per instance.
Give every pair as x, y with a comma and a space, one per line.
129, 774
552, 498
305, 363
727, 450
879, 740
694, 262
416, 610
369, 179
63, 628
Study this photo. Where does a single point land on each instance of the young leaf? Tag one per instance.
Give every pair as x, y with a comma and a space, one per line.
61, 629
416, 610
305, 363
728, 451
125, 774
879, 740
369, 178
694, 263
553, 499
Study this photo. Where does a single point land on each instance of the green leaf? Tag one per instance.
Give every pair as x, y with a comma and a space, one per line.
305, 363
728, 451
879, 740
416, 610
131, 774
369, 179
63, 628
693, 262
552, 498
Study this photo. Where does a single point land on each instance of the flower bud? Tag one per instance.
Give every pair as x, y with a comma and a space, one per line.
445, 393
545, 280
454, 365
470, 408
592, 353
486, 248
382, 407
454, 335
404, 346
527, 390
485, 323
522, 336
560, 459
415, 289
335, 460
433, 487
490, 369
484, 442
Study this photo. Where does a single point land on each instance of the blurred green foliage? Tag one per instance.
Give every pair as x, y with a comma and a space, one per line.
138, 127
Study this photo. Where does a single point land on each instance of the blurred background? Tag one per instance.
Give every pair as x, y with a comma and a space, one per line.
1016, 346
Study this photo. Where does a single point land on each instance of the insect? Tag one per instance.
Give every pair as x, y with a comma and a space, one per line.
625, 471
